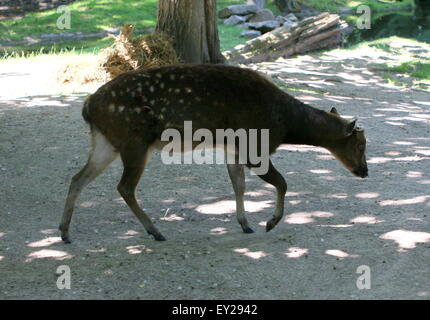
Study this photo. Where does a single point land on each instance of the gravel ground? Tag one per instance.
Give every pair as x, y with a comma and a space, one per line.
334, 223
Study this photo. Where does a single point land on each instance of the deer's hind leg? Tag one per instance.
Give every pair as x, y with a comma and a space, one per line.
277, 180
237, 176
135, 158
102, 154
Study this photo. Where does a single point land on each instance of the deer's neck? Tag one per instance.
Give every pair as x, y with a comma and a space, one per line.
308, 125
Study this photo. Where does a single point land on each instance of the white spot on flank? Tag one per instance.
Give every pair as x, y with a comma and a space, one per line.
121, 108
111, 107
137, 110
146, 83
163, 110
151, 88
161, 117
172, 77
170, 90
158, 75
162, 85
181, 100
152, 102
188, 90
177, 90
113, 94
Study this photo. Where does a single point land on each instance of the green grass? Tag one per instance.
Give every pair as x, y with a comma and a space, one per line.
335, 5
415, 68
97, 15
86, 16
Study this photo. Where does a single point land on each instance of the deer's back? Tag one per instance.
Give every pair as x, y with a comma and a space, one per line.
211, 96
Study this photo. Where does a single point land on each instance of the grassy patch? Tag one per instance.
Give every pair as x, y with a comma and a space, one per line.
376, 5
97, 15
417, 69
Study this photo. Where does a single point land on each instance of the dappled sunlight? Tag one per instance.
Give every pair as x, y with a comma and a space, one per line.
296, 252
89, 204
306, 217
2, 234
251, 254
229, 206
367, 195
218, 231
381, 160
48, 253
340, 254
172, 217
100, 250
415, 200
406, 239
1, 258
337, 196
48, 231
414, 174
335, 225
44, 242
137, 249
320, 171
366, 219
258, 193
129, 234
303, 148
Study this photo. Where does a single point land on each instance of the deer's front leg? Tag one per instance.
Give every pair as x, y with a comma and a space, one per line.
237, 176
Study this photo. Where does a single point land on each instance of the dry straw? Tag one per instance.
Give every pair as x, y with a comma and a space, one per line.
126, 54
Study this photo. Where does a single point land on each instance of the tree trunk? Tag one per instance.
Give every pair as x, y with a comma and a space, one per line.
192, 26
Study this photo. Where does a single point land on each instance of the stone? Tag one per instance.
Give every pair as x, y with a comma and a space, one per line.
262, 15
290, 24
250, 33
234, 20
281, 19
239, 10
291, 17
264, 26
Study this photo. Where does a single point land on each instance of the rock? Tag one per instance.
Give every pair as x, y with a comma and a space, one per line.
281, 19
264, 26
290, 24
262, 15
291, 17
250, 33
346, 10
239, 10
234, 20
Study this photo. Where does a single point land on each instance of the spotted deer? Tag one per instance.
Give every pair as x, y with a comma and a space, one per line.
128, 115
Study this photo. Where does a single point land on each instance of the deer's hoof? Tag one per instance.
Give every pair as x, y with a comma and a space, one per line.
247, 230
271, 224
66, 239
157, 236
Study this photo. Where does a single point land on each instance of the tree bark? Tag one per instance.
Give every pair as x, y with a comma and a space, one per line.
192, 26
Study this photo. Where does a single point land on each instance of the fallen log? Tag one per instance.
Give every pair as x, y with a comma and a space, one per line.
323, 31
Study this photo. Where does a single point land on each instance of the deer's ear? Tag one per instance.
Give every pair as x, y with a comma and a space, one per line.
333, 110
350, 127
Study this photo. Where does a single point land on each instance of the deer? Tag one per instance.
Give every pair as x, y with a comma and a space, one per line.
128, 115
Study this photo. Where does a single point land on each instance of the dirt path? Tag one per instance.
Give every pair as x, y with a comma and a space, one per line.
334, 222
